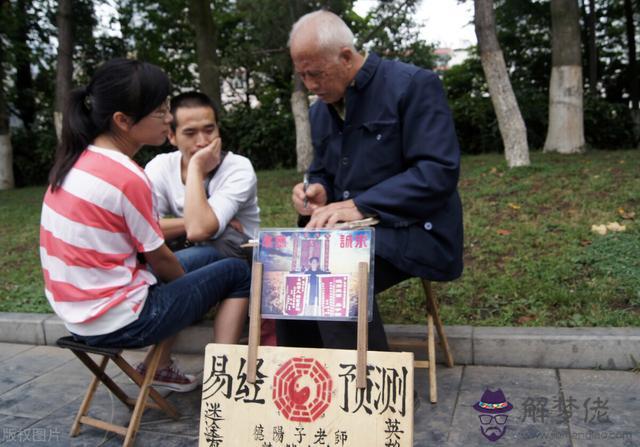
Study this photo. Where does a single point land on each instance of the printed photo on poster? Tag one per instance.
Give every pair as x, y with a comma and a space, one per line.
314, 274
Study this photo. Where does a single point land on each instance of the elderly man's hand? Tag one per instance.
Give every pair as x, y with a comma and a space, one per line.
328, 216
316, 197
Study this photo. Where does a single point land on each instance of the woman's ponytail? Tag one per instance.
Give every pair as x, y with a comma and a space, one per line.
78, 130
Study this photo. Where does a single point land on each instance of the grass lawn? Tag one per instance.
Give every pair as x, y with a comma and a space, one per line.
530, 256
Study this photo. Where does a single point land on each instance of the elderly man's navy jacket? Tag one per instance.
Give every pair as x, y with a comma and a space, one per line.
397, 155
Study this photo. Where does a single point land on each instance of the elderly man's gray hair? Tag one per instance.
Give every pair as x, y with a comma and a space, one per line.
331, 33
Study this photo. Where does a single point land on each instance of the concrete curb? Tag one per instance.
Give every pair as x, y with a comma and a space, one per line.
545, 347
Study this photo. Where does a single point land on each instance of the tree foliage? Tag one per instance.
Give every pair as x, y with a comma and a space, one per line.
257, 73
524, 32
251, 49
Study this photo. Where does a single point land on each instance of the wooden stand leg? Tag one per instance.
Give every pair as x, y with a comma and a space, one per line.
254, 321
432, 309
363, 324
86, 402
431, 352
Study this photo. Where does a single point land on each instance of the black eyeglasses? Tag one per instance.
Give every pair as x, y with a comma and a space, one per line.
486, 419
162, 111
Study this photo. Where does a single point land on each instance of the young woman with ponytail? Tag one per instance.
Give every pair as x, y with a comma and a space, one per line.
98, 215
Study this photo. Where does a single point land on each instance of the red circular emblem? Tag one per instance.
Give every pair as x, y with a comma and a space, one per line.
302, 389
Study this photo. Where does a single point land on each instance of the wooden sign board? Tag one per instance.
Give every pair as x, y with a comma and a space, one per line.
305, 397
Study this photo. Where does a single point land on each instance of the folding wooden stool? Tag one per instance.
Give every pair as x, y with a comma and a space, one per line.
433, 317
137, 405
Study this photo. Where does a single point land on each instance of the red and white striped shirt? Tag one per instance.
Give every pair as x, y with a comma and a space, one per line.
90, 232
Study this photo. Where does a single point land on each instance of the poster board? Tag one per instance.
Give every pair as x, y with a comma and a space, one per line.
314, 274
305, 396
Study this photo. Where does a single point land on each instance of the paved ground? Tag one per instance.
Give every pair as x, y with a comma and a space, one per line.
41, 388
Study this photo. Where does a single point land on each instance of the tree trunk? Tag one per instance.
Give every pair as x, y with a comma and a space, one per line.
6, 151
300, 104
592, 49
633, 71
510, 122
25, 97
6, 155
565, 134
300, 109
206, 46
64, 71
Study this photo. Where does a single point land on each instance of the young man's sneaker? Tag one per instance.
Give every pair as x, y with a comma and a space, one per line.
172, 378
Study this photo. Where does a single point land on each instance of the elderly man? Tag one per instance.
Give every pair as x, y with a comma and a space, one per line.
384, 146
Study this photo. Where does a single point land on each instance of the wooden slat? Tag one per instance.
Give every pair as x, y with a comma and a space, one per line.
87, 420
254, 321
363, 324
431, 348
421, 364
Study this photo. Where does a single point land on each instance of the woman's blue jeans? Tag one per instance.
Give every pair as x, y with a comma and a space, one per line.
170, 307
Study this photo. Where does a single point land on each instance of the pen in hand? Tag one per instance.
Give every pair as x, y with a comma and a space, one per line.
305, 185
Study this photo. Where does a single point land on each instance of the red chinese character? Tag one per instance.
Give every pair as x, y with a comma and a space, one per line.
267, 241
348, 241
361, 241
281, 242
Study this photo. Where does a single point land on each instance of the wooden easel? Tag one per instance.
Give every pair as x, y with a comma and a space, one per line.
363, 324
